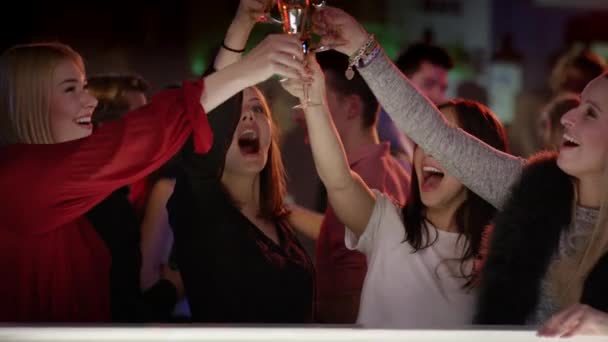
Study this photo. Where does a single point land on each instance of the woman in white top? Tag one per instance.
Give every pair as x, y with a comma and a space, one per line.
420, 257
549, 246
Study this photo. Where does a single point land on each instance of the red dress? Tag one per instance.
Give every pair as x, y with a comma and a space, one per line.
53, 265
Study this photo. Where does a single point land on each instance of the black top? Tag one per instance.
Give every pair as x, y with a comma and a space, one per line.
232, 272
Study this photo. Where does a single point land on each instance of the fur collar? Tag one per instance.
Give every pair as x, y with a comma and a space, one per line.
525, 237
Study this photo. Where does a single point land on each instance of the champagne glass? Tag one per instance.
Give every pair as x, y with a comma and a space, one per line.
297, 20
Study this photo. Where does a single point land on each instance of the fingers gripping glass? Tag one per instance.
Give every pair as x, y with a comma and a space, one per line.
296, 19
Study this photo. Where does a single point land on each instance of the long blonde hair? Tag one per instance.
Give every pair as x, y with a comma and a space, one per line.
569, 273
26, 73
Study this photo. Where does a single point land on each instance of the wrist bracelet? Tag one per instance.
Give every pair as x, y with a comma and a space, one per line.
231, 49
363, 53
368, 58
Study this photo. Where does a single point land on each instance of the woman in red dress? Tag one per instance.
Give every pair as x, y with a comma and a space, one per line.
54, 168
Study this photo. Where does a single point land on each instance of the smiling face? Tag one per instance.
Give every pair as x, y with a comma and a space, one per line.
584, 149
438, 190
248, 152
70, 105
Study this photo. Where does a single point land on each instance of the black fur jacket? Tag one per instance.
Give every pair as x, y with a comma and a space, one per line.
526, 236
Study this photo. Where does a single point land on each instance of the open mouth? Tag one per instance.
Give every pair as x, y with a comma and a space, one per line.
431, 178
85, 121
568, 141
249, 142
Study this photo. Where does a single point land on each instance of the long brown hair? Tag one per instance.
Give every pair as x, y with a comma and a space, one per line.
26, 73
474, 214
273, 184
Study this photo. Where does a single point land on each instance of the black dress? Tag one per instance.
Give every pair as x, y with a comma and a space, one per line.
232, 272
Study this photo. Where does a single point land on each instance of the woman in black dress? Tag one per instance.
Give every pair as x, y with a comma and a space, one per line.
239, 259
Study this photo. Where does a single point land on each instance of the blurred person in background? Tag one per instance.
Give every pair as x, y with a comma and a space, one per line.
550, 129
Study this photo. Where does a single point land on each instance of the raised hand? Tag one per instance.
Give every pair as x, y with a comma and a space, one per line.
314, 79
251, 11
277, 54
577, 320
339, 30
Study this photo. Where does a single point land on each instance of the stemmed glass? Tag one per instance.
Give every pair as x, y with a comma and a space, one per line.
296, 19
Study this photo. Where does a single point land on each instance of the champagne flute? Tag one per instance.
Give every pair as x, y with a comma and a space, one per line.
297, 20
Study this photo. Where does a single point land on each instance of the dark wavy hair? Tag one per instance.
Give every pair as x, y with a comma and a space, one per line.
474, 214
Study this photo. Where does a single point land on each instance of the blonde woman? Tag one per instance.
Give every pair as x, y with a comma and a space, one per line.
54, 168
550, 242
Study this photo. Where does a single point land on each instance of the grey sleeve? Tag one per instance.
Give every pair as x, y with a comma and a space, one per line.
483, 169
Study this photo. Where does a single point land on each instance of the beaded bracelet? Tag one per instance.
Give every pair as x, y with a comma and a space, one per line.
362, 55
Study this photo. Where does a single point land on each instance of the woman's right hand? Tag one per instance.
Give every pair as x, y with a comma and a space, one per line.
277, 54
577, 320
314, 79
251, 11
339, 30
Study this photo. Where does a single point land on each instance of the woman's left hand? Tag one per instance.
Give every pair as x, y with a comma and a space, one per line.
579, 319
339, 30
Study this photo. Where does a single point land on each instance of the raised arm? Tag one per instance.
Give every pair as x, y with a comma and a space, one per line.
70, 178
231, 53
238, 33
278, 54
74, 176
485, 170
348, 195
